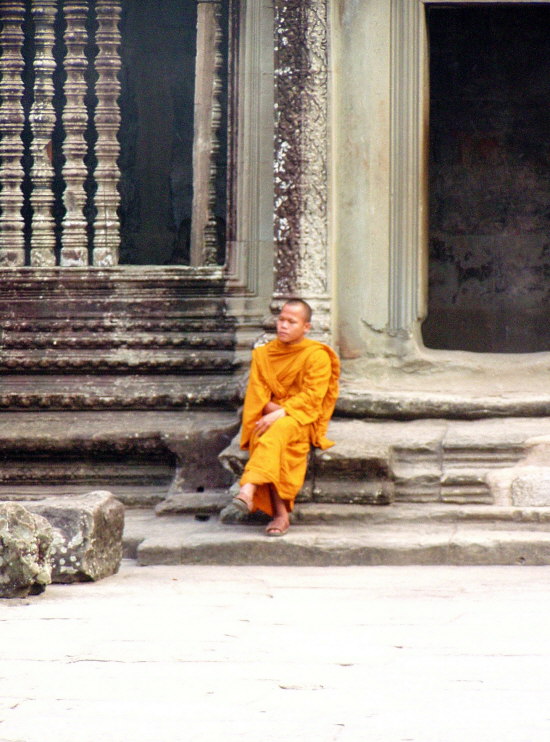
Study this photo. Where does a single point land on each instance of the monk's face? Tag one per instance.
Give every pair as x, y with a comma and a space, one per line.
292, 324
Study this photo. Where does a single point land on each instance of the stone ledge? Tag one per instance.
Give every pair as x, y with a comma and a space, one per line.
395, 535
393, 403
428, 460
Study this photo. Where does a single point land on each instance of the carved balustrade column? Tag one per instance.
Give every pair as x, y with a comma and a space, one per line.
74, 251
12, 242
207, 117
107, 122
301, 93
42, 120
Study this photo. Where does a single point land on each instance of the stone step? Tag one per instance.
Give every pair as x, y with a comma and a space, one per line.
109, 391
399, 534
140, 456
129, 359
377, 461
113, 339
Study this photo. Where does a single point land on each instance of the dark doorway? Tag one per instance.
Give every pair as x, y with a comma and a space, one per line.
489, 236
156, 134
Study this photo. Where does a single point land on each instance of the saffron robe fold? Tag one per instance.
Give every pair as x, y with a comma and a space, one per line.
303, 379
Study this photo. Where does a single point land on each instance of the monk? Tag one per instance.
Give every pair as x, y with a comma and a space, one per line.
290, 398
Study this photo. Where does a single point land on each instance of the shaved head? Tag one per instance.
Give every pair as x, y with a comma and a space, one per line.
306, 309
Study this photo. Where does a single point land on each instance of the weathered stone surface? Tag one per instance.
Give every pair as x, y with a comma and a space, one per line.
25, 552
531, 488
527, 484
87, 535
127, 322
196, 449
210, 501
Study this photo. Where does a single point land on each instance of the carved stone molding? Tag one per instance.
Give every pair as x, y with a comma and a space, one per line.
301, 143
12, 247
109, 392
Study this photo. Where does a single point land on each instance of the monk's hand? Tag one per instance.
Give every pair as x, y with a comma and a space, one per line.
266, 421
271, 407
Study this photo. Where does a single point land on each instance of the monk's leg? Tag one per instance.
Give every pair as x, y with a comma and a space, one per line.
277, 458
280, 523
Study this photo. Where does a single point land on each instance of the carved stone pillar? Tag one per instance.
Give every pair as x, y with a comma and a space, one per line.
107, 122
42, 120
205, 141
301, 228
12, 243
75, 118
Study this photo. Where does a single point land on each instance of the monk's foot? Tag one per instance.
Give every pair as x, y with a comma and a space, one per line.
278, 526
244, 501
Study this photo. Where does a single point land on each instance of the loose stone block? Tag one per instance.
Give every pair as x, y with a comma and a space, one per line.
87, 535
25, 552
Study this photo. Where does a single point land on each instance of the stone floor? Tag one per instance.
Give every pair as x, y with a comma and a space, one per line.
346, 654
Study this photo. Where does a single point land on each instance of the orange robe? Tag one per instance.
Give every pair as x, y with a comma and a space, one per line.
303, 379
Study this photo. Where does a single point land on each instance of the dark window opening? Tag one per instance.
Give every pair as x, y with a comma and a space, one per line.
489, 235
157, 99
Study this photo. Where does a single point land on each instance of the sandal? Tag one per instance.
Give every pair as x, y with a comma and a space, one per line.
241, 505
276, 531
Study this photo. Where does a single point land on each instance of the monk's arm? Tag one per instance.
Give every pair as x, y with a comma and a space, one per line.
306, 406
271, 407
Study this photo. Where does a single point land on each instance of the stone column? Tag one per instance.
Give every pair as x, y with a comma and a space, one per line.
42, 120
205, 140
12, 241
75, 118
107, 122
301, 224
408, 170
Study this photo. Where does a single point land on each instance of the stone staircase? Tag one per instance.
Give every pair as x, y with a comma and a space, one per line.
125, 380
124, 338
410, 492
102, 375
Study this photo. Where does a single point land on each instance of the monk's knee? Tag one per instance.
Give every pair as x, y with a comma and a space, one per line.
287, 424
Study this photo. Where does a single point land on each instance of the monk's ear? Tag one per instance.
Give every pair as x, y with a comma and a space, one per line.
307, 327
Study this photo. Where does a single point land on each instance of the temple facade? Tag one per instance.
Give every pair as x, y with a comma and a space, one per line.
171, 171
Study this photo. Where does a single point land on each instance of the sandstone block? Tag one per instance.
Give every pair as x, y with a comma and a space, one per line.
196, 448
521, 486
87, 535
531, 487
25, 551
